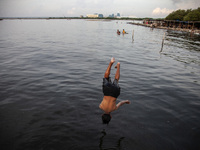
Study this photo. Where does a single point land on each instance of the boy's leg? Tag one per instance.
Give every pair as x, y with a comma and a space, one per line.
117, 75
107, 73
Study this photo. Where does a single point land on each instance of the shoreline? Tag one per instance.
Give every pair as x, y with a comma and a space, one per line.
68, 18
192, 31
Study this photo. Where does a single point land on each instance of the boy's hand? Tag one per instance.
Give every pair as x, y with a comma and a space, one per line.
127, 101
122, 103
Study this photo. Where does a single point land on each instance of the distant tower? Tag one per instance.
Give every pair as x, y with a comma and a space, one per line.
118, 14
100, 15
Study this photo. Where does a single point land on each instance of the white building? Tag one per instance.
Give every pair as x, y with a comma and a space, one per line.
93, 16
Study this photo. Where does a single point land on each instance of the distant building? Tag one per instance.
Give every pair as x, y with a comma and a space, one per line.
100, 15
93, 16
111, 16
118, 14
96, 15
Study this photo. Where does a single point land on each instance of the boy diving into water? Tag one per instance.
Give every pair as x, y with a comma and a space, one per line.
111, 92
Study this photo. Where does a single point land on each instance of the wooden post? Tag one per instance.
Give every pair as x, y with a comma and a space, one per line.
193, 25
162, 42
132, 35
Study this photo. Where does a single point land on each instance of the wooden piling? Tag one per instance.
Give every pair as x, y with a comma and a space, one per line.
162, 42
132, 35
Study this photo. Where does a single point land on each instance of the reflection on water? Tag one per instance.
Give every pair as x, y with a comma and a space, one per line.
181, 39
176, 44
109, 146
51, 86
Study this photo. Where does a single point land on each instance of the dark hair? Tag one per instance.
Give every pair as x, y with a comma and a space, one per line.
106, 118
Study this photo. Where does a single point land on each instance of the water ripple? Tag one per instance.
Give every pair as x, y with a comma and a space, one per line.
51, 86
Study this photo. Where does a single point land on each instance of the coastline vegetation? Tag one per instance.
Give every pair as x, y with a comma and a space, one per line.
104, 18
178, 15
185, 15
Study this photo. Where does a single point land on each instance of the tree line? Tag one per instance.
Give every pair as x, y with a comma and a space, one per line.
185, 15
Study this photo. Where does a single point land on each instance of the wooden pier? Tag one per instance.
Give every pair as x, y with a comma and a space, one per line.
184, 26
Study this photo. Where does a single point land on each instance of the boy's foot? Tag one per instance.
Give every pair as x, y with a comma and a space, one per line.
112, 60
118, 64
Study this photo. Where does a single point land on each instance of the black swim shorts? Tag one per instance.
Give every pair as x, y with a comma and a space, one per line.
109, 88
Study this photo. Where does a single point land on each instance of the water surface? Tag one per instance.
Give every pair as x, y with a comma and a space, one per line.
51, 86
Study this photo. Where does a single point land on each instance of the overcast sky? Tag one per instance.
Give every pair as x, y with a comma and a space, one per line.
75, 8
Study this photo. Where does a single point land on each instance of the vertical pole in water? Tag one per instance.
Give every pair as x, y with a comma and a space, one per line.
132, 35
162, 42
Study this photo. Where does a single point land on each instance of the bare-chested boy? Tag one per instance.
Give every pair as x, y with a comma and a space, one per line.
111, 92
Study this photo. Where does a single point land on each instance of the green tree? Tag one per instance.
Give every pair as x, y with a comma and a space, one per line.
194, 15
178, 15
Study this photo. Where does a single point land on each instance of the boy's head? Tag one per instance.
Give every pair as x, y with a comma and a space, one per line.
106, 118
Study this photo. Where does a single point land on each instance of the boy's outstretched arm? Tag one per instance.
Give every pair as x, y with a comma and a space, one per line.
122, 103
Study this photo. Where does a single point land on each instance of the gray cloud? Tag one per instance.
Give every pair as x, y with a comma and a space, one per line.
139, 8
176, 1
187, 3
